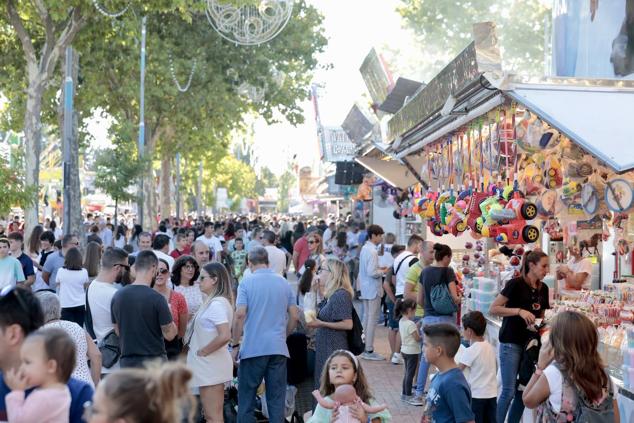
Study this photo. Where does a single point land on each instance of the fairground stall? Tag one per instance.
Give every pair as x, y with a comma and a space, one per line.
506, 163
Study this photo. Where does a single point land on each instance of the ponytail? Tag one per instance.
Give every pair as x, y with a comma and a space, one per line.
403, 305
153, 395
441, 251
530, 257
306, 280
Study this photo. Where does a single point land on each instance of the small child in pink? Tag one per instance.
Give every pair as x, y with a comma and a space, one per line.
48, 359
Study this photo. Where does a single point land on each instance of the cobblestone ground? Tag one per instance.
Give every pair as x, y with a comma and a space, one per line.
386, 378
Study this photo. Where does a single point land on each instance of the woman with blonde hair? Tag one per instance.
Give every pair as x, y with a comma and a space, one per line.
157, 394
334, 317
207, 338
315, 250
570, 369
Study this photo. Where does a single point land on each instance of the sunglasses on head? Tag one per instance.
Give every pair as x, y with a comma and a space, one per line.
15, 291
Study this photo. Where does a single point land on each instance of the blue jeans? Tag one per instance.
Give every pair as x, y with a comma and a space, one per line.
423, 369
271, 368
510, 356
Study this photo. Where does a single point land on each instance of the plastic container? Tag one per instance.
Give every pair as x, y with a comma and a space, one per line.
484, 296
626, 376
487, 284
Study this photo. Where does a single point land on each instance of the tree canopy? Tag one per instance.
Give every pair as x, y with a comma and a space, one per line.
444, 29
197, 123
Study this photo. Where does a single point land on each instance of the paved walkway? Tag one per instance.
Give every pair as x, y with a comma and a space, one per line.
386, 379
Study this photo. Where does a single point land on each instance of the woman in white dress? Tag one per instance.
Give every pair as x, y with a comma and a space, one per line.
86, 348
208, 336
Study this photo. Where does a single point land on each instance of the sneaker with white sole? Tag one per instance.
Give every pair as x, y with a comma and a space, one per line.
372, 356
399, 357
417, 401
394, 359
406, 398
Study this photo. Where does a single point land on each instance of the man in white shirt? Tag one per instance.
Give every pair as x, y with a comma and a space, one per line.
105, 234
277, 258
114, 263
577, 273
329, 234
211, 240
160, 247
370, 282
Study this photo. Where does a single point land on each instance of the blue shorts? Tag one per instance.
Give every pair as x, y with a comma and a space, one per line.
392, 323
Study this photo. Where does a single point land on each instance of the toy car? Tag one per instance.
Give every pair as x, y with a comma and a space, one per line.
512, 233
474, 211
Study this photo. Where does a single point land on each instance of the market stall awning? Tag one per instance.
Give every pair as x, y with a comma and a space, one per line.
598, 118
391, 171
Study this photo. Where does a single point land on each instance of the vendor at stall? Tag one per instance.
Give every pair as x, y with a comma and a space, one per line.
576, 274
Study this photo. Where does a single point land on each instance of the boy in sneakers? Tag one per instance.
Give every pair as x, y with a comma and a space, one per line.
449, 396
480, 367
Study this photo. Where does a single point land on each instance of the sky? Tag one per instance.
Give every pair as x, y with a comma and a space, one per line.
352, 27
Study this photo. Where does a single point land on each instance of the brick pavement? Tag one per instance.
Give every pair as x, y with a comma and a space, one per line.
385, 380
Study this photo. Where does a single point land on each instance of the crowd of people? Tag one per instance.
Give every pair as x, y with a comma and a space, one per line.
133, 326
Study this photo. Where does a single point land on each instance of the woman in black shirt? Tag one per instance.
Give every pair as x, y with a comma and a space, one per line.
522, 300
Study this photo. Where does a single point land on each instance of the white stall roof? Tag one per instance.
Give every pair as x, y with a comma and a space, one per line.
599, 119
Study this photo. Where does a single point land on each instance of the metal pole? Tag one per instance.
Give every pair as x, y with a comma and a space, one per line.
141, 142
68, 135
178, 185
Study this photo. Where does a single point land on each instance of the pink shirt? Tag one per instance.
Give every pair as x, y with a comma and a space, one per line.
42, 405
301, 247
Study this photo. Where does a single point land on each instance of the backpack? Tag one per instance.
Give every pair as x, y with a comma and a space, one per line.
440, 297
579, 408
355, 335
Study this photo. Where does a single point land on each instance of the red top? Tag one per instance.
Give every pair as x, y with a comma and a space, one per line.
178, 306
175, 253
301, 246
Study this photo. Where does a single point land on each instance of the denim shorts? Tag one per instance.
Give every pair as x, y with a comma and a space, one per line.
392, 323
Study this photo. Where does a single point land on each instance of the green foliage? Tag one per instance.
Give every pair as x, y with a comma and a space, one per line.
266, 179
116, 171
287, 181
13, 191
444, 29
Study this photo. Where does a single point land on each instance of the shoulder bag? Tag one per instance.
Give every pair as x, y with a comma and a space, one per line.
109, 345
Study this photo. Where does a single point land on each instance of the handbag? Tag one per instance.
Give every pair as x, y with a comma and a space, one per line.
440, 297
109, 348
356, 345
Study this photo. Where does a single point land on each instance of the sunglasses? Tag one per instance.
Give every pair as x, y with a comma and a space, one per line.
162, 271
125, 266
312, 242
13, 290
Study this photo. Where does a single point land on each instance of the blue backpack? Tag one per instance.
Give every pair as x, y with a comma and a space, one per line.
440, 297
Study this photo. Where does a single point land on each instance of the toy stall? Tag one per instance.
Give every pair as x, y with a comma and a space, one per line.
509, 164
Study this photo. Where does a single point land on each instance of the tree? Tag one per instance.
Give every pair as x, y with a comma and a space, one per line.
115, 172
288, 180
13, 191
266, 179
44, 30
444, 29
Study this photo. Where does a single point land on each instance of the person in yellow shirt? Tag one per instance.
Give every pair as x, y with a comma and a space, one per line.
412, 278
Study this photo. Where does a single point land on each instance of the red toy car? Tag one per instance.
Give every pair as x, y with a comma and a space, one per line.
512, 233
474, 211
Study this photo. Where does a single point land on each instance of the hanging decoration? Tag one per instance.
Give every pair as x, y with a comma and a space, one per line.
249, 24
104, 12
180, 87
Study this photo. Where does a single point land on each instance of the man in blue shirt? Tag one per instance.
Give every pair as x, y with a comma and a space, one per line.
16, 246
265, 301
21, 315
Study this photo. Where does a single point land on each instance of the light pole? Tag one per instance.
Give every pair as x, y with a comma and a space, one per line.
68, 135
141, 141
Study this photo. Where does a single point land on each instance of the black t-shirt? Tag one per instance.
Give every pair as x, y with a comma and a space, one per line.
521, 295
140, 312
429, 278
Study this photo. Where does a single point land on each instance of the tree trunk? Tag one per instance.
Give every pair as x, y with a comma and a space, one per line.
166, 186
116, 211
33, 144
149, 182
199, 191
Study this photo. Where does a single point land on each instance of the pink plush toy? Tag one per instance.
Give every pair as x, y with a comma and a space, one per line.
344, 396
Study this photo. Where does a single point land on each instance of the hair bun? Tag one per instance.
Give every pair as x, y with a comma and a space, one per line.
438, 246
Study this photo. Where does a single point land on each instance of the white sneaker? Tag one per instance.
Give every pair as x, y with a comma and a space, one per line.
397, 358
372, 356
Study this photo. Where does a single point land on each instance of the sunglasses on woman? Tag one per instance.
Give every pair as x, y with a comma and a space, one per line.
162, 271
